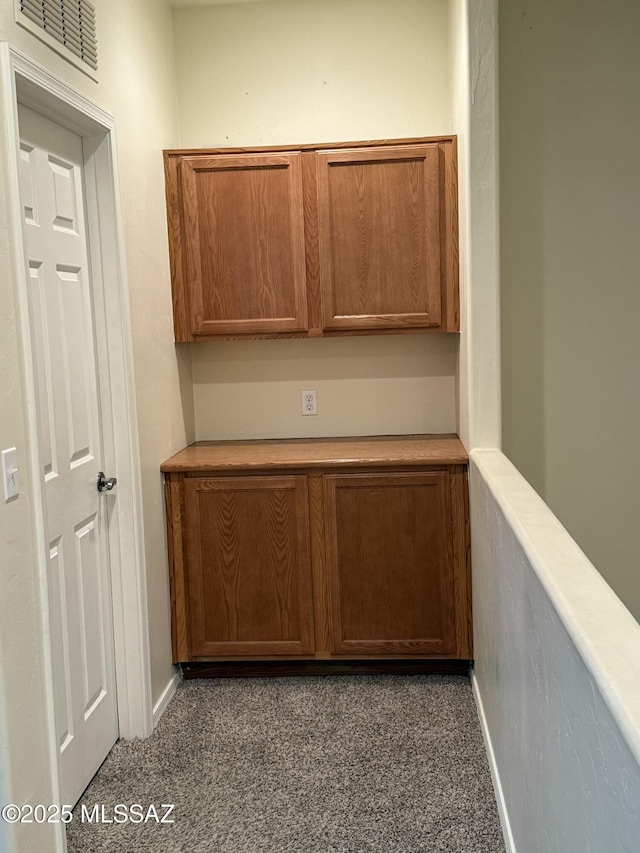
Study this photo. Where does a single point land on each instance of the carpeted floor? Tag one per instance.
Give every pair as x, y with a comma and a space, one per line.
356, 764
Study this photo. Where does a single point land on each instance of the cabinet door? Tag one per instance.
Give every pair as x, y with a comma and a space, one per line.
391, 564
249, 573
243, 232
379, 221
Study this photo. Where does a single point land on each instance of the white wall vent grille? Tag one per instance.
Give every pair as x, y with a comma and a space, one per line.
72, 23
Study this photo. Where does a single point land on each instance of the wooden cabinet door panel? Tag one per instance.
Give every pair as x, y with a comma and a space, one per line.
379, 221
249, 566
244, 243
390, 561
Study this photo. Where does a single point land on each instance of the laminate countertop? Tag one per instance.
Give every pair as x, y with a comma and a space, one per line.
326, 453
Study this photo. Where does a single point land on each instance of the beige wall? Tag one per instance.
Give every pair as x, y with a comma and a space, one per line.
137, 86
286, 71
570, 205
364, 385
292, 71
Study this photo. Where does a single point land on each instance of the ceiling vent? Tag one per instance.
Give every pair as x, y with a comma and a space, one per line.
70, 23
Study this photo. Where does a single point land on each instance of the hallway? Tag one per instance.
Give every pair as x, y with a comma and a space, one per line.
357, 764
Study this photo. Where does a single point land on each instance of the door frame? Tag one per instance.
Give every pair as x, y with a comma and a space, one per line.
24, 81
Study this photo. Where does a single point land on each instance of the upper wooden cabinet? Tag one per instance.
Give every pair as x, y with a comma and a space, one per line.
324, 240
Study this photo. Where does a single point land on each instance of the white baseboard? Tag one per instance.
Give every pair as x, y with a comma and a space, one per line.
493, 767
167, 695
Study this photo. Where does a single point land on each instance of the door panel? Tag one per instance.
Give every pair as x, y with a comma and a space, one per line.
93, 647
46, 417
63, 707
71, 442
390, 560
65, 193
379, 233
249, 566
245, 251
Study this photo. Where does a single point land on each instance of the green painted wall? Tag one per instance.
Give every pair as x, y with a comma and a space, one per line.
570, 264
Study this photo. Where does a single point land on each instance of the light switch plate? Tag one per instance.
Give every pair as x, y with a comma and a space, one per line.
10, 473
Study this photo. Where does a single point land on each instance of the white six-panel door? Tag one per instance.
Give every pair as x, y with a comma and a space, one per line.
71, 448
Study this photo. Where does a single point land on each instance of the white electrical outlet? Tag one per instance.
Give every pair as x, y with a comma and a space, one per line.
309, 403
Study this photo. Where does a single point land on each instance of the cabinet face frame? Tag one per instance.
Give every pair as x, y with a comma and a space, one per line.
178, 586
314, 324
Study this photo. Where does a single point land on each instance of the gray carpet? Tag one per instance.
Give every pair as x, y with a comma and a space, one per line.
355, 764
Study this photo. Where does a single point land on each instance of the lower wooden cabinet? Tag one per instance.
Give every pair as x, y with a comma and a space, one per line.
315, 563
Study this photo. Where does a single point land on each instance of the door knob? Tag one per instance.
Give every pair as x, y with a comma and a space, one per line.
105, 485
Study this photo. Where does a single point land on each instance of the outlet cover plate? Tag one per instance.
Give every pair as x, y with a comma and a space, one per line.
309, 403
